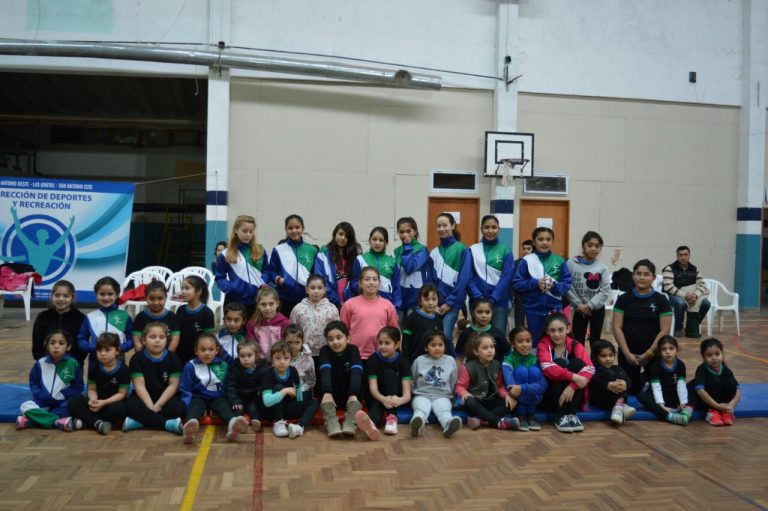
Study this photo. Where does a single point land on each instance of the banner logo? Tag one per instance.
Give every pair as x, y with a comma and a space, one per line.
43, 242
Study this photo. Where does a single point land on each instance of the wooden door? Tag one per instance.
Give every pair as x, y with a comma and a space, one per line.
466, 212
549, 213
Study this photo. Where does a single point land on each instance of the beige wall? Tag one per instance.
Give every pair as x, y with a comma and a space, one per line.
337, 152
647, 176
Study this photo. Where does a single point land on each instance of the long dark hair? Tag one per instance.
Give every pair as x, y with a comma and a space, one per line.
348, 252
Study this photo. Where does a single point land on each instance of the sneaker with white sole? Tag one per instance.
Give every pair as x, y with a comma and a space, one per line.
280, 429
629, 411
255, 425
64, 424
236, 426
103, 427
390, 427
563, 424
294, 430
452, 427
533, 424
617, 414
366, 425
131, 425
191, 427
417, 425
174, 426
473, 423
22, 422
576, 425
509, 424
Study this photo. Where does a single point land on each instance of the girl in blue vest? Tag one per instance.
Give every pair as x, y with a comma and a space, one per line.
414, 265
107, 318
543, 279
334, 261
389, 272
290, 264
452, 262
240, 267
493, 267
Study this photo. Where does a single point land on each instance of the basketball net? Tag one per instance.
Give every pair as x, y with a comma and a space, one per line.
507, 167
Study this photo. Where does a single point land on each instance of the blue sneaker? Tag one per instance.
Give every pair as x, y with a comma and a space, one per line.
173, 426
131, 424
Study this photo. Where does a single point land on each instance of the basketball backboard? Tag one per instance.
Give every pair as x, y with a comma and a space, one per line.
508, 154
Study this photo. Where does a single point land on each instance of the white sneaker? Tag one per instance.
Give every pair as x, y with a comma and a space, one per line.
390, 428
295, 430
280, 429
617, 414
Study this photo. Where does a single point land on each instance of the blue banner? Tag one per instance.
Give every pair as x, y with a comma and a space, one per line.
72, 230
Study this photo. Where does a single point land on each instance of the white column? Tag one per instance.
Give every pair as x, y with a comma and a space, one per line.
751, 170
505, 111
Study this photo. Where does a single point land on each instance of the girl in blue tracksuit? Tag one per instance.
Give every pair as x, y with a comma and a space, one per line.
493, 267
239, 270
414, 265
202, 389
543, 279
452, 263
334, 262
290, 264
523, 378
53, 380
389, 272
107, 318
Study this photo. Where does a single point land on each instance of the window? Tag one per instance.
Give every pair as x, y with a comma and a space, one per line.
453, 181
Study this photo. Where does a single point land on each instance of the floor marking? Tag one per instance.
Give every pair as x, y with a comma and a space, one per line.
197, 469
257, 498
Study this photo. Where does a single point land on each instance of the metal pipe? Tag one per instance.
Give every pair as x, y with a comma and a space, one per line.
216, 59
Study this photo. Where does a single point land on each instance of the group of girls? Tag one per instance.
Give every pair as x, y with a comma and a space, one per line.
294, 341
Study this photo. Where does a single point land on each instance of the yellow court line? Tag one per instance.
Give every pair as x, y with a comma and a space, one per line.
197, 469
735, 352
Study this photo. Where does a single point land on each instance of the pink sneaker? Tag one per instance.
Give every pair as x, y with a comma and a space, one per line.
366, 425
728, 418
390, 428
22, 422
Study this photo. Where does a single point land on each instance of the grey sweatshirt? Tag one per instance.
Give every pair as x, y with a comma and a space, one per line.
434, 377
591, 283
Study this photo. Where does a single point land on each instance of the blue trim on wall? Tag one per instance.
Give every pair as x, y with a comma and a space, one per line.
216, 197
747, 278
502, 206
748, 214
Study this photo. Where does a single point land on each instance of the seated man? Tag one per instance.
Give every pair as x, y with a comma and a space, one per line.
686, 289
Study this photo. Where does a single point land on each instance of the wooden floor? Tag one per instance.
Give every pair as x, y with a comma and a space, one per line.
642, 465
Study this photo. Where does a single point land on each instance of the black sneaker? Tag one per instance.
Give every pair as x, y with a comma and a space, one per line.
103, 427
576, 425
563, 424
509, 423
524, 426
532, 424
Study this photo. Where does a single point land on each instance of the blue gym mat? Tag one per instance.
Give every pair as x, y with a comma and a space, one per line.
754, 403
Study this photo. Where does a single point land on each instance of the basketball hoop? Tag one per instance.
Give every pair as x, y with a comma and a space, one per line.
509, 172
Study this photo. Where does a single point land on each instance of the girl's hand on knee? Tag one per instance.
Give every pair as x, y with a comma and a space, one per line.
566, 396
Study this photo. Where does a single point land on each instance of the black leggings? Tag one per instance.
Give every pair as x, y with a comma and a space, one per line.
555, 389
604, 398
389, 384
595, 323
489, 410
290, 408
78, 408
722, 391
220, 405
137, 410
646, 399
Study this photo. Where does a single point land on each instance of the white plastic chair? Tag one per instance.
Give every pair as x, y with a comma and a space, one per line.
26, 295
715, 289
174, 286
162, 270
136, 279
